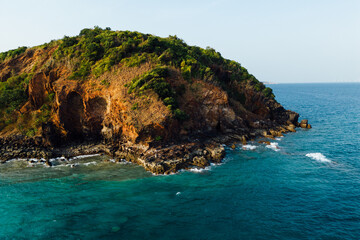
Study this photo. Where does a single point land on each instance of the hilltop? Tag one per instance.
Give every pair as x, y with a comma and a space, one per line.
155, 101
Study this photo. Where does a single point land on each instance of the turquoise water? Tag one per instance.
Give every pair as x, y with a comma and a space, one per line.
306, 186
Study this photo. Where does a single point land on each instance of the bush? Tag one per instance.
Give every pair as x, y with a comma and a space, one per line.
105, 83
13, 92
136, 60
180, 115
268, 93
135, 106
12, 53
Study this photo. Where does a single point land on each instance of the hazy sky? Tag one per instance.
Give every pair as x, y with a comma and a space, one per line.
276, 40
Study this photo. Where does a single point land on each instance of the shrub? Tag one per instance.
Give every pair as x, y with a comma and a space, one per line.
135, 106
268, 93
12, 53
156, 80
105, 83
13, 92
135, 60
31, 132
158, 138
180, 115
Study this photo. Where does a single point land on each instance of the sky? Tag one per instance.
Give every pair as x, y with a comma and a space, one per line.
278, 41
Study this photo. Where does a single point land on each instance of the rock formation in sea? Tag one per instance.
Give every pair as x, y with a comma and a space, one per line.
154, 101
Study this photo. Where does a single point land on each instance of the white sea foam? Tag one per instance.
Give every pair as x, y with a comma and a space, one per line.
249, 147
274, 146
57, 159
318, 157
84, 156
278, 138
123, 161
199, 170
178, 193
16, 159
78, 164
89, 163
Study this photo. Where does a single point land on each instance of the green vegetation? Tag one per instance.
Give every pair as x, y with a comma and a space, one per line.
156, 81
268, 92
13, 95
12, 53
135, 106
97, 50
105, 83
158, 138
13, 92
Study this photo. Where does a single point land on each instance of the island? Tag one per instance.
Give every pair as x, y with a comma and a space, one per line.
154, 101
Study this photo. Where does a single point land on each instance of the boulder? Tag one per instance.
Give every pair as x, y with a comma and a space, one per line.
304, 124
291, 128
304, 121
200, 161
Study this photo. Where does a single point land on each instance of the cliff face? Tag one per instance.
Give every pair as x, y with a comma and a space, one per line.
164, 118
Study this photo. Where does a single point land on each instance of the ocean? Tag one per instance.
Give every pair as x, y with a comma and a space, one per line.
305, 185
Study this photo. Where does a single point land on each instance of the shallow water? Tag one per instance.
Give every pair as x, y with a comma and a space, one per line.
304, 186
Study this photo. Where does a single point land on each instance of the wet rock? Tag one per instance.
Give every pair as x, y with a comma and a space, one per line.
200, 162
304, 124
243, 140
48, 163
276, 133
290, 128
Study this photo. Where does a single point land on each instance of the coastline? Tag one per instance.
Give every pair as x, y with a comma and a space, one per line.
162, 159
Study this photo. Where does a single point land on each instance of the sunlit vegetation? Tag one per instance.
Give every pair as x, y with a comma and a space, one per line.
12, 53
97, 50
156, 81
13, 94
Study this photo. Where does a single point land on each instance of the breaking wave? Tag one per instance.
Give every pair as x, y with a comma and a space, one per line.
249, 147
318, 157
274, 146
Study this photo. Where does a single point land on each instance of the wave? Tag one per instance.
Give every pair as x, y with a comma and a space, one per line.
205, 169
57, 159
84, 156
249, 147
200, 170
318, 157
72, 165
274, 146
89, 163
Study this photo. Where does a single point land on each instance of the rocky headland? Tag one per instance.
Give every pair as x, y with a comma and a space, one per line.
153, 101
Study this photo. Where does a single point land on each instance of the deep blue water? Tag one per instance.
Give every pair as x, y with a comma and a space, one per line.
309, 188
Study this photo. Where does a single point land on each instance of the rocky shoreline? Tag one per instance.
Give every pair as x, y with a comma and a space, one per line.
163, 159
